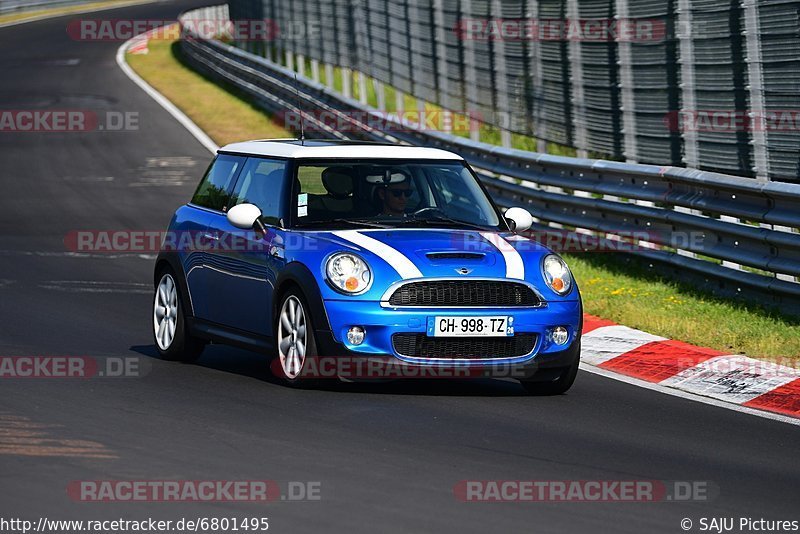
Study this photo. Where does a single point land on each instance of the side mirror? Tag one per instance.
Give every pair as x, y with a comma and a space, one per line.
520, 217
244, 216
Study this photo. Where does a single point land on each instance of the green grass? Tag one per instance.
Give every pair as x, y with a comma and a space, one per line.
634, 297
225, 116
621, 293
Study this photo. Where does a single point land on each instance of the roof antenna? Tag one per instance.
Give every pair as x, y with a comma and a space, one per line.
302, 127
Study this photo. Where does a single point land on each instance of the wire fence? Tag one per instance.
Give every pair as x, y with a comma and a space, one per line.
733, 236
705, 84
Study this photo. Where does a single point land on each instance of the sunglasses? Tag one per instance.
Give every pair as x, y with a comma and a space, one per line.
397, 193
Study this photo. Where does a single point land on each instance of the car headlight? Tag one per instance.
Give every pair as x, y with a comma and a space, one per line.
348, 273
556, 274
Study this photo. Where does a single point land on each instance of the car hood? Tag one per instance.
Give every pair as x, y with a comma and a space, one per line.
396, 254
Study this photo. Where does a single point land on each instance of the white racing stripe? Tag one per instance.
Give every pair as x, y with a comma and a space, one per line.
404, 267
514, 266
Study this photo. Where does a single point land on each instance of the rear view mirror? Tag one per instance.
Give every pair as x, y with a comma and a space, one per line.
244, 216
520, 218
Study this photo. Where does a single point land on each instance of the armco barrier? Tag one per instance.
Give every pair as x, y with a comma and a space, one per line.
736, 237
10, 6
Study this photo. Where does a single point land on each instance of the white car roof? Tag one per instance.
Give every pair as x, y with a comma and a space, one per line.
293, 148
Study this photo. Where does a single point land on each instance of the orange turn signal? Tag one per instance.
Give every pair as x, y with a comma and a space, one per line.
351, 284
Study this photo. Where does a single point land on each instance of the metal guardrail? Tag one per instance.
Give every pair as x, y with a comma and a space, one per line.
704, 228
10, 6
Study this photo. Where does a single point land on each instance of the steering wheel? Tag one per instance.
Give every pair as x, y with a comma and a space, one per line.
428, 209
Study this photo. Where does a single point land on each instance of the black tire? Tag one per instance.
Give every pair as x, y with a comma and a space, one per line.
301, 378
554, 387
183, 347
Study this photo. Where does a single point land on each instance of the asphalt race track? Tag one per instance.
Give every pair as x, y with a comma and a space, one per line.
387, 455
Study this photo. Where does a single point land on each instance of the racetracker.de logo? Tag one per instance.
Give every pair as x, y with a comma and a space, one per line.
193, 490
67, 120
584, 490
599, 30
241, 30
73, 367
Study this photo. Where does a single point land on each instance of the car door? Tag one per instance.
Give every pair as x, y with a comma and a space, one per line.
242, 269
212, 197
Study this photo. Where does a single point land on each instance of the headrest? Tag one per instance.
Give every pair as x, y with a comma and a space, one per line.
263, 183
338, 181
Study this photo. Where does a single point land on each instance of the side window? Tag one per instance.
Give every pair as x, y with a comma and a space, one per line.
214, 189
261, 183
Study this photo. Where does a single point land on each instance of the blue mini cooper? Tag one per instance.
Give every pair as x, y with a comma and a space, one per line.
309, 250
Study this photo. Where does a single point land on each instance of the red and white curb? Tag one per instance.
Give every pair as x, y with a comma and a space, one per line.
735, 380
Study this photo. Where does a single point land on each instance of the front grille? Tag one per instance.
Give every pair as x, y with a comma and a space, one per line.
464, 293
422, 346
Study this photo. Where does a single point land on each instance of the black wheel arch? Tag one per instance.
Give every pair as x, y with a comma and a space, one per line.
296, 274
170, 261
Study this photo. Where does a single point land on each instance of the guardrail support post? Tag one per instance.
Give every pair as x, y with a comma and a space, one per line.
362, 88
315, 70
347, 82
289, 60
399, 102
380, 94
329, 76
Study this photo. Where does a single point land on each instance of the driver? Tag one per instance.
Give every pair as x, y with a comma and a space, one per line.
394, 197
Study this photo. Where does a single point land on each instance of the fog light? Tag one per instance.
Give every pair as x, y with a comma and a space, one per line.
355, 336
559, 335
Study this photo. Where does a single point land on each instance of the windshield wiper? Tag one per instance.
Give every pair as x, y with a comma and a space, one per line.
357, 222
443, 219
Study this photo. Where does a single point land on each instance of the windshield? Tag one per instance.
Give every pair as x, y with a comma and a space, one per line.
383, 194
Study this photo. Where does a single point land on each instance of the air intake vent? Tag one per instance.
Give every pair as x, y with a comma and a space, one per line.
454, 256
421, 346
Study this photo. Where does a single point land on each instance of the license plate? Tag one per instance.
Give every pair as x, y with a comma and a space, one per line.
477, 326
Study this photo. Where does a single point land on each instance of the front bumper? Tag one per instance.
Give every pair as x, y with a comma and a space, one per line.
382, 323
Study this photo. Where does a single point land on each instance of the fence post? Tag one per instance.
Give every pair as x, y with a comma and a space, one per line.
576, 81
626, 86
756, 83
689, 106
329, 76
470, 79
501, 81
440, 59
315, 70
380, 94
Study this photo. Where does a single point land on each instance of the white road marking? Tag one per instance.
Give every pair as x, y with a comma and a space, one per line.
180, 116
